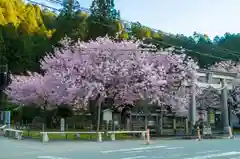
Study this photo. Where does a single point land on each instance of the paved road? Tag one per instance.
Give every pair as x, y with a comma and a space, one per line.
165, 149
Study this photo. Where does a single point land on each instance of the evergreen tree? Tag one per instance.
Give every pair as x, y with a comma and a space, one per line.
104, 9
104, 19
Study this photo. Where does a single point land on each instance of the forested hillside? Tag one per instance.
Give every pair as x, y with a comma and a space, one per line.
28, 32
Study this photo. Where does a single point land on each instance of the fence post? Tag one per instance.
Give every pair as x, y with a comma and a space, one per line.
99, 137
62, 125
144, 135
44, 135
230, 132
113, 137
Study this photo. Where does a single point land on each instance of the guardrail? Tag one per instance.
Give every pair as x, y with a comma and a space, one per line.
113, 133
13, 133
45, 137
3, 127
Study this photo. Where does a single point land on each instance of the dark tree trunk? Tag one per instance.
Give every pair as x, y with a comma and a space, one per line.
93, 109
44, 115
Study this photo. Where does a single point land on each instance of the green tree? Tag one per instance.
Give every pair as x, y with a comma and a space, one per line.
49, 19
229, 42
104, 19
20, 25
139, 31
70, 22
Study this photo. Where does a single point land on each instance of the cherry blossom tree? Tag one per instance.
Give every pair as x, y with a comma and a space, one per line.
45, 91
208, 98
121, 71
234, 101
226, 66
80, 72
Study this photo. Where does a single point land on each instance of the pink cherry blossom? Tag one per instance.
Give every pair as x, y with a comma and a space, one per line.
80, 71
37, 89
121, 71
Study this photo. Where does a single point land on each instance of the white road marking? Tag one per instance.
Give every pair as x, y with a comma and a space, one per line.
133, 149
178, 155
136, 157
157, 157
71, 149
173, 148
211, 151
51, 157
215, 155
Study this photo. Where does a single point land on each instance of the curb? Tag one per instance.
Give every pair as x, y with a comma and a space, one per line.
189, 138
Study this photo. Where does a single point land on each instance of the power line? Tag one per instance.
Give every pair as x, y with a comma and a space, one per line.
124, 22
130, 23
216, 48
234, 53
43, 5
183, 49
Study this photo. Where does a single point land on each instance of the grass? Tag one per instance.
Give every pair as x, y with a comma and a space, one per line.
236, 131
72, 136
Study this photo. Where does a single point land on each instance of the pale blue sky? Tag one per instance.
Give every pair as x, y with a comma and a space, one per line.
212, 17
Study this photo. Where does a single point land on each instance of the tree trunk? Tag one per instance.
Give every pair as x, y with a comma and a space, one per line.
93, 111
44, 113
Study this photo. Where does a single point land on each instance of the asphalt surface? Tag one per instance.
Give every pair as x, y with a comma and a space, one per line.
165, 149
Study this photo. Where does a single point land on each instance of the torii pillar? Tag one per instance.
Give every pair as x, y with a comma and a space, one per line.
224, 106
192, 107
